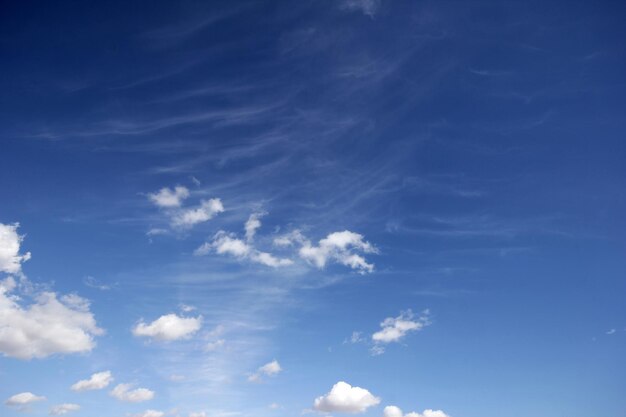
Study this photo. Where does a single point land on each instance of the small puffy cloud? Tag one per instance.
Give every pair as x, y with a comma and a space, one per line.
150, 413
228, 244
344, 398
168, 327
98, 380
367, 7
23, 399
124, 392
168, 198
252, 224
61, 409
393, 329
611, 331
198, 414
49, 325
393, 411
269, 369
187, 218
10, 242
92, 282
340, 247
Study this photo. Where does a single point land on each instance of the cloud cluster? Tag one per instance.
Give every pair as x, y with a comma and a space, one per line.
10, 241
168, 327
123, 392
61, 409
224, 243
393, 411
394, 329
183, 218
367, 7
340, 247
344, 398
269, 369
98, 380
49, 325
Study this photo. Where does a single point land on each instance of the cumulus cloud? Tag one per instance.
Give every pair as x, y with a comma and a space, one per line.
393, 411
61, 409
123, 392
10, 242
269, 369
340, 247
228, 244
23, 399
98, 380
344, 398
393, 329
150, 413
168, 327
49, 325
252, 224
186, 218
367, 7
171, 200
168, 198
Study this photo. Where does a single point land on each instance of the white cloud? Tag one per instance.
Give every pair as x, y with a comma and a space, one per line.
48, 326
393, 411
150, 413
339, 247
198, 414
91, 282
23, 399
228, 244
269, 369
61, 409
168, 327
344, 398
10, 257
367, 7
123, 392
186, 218
185, 308
168, 198
98, 380
252, 224
213, 346
611, 331
393, 329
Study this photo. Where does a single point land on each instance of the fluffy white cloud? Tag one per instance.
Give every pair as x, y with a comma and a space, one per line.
339, 247
186, 218
228, 244
22, 399
393, 329
150, 413
393, 411
10, 241
168, 198
61, 409
169, 327
98, 380
123, 392
49, 325
198, 414
252, 224
269, 369
344, 398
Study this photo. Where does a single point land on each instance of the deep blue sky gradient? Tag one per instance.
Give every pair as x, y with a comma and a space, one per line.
479, 145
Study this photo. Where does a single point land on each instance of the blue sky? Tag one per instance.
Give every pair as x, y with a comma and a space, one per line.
373, 207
